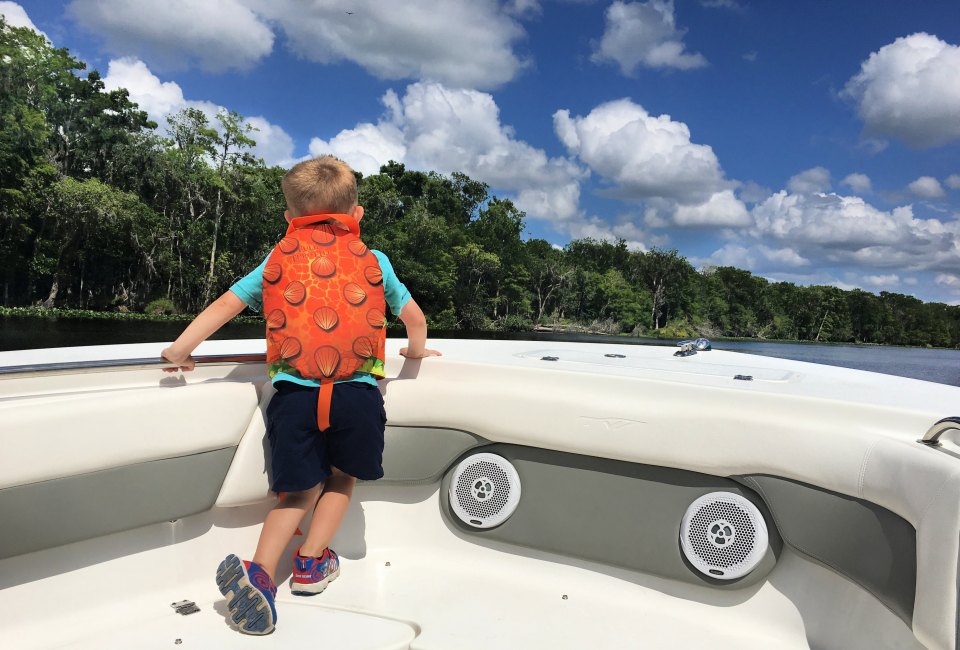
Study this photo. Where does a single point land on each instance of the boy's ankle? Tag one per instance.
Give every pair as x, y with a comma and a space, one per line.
269, 570
319, 554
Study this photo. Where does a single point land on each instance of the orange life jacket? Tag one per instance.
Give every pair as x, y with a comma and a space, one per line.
324, 305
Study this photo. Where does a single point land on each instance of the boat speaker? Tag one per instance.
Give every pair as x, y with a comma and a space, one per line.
723, 535
484, 490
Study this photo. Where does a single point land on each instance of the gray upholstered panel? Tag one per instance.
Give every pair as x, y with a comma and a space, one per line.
870, 545
52, 513
608, 511
421, 455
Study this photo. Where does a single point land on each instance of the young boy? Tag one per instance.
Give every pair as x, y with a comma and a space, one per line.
323, 295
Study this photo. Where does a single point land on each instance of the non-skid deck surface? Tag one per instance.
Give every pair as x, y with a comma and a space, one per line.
408, 580
302, 625
487, 604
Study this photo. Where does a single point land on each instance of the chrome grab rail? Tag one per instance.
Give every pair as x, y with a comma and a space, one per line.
125, 364
932, 437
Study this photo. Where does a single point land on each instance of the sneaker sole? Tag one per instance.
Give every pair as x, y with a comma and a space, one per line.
249, 610
312, 589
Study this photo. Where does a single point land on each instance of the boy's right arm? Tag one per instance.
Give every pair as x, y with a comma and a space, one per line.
206, 323
416, 324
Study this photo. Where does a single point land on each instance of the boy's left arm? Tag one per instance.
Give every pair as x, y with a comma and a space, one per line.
206, 323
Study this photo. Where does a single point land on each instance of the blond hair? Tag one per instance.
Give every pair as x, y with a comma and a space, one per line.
321, 185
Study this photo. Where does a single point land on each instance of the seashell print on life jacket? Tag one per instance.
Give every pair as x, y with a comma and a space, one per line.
324, 303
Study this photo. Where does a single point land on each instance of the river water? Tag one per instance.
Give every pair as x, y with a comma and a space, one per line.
942, 366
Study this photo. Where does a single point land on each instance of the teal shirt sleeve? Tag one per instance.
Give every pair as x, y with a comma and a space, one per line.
394, 291
249, 288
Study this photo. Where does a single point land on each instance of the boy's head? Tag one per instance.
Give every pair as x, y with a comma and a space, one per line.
321, 185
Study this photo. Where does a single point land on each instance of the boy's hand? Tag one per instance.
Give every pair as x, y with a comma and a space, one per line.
405, 352
182, 363
206, 323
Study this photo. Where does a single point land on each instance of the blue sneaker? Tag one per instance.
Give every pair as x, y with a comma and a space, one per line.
250, 594
311, 575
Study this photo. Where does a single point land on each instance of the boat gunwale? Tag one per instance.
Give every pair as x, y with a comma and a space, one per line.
107, 365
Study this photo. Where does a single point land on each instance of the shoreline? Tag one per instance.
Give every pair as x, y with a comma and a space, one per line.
56, 313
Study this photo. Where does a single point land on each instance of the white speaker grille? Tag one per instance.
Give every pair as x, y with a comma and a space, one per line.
484, 490
723, 535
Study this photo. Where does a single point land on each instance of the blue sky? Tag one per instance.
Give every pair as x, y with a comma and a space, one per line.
816, 142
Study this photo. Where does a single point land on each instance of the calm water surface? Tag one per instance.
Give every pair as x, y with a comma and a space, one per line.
942, 366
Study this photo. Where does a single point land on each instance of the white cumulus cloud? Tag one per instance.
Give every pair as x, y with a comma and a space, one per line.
274, 144
888, 280
836, 229
446, 130
16, 16
157, 98
953, 181
162, 98
643, 155
645, 34
652, 159
950, 280
909, 90
927, 187
951, 283
215, 34
859, 183
523, 8
810, 181
594, 227
467, 43
722, 209
365, 147
756, 257
817, 238
753, 192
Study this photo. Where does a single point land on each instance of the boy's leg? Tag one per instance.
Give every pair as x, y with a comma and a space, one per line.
280, 526
354, 450
250, 587
315, 565
354, 446
328, 513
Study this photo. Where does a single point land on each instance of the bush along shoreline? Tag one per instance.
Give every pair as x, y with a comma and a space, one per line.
56, 313
395, 327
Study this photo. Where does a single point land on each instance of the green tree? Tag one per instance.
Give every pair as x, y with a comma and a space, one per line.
737, 302
667, 276
831, 314
497, 230
548, 272
867, 316
99, 245
231, 142
477, 271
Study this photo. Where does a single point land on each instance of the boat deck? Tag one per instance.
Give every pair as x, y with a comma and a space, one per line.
609, 438
410, 580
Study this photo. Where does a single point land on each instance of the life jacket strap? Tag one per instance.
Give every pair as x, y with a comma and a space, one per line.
323, 404
346, 219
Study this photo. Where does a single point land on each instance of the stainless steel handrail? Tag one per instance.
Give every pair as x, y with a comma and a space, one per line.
932, 437
124, 364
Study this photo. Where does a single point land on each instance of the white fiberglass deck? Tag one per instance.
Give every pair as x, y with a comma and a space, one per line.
410, 581
410, 578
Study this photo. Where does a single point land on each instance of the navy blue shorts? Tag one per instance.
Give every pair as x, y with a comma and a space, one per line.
303, 456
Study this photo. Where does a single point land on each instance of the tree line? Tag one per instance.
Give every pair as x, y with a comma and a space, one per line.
100, 209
